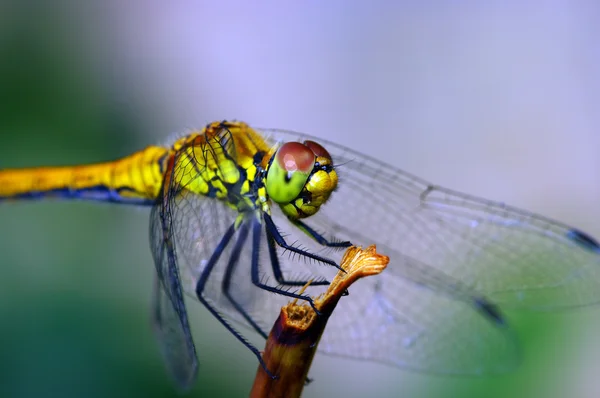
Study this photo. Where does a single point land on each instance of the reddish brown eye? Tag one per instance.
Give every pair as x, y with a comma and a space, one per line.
294, 156
318, 149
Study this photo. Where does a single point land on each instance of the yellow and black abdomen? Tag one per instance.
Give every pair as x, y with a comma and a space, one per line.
135, 179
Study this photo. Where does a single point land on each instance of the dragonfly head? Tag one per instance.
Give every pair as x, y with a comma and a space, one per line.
300, 178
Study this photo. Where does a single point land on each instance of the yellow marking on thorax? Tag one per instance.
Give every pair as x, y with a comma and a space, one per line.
214, 154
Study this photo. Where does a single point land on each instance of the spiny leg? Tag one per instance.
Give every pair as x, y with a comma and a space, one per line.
321, 240
255, 268
277, 268
226, 285
318, 237
200, 288
272, 229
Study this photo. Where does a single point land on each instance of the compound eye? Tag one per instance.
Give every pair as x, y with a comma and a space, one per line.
294, 156
291, 166
318, 149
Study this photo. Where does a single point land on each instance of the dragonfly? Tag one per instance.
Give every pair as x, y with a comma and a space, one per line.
243, 218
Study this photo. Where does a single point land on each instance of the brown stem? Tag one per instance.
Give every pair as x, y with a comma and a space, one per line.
295, 335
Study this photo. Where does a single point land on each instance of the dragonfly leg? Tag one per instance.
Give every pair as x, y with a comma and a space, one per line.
277, 269
272, 229
318, 237
256, 234
200, 288
226, 284
321, 239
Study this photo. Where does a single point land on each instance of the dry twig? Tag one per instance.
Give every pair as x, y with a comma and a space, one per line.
295, 335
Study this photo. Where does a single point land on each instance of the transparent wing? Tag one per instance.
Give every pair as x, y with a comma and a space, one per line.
415, 317
180, 230
169, 314
420, 322
513, 257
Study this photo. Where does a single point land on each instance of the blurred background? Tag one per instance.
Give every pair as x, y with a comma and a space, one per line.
498, 100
